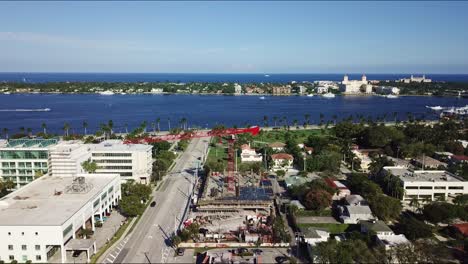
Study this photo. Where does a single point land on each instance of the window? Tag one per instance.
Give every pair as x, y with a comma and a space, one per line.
24, 258
10, 247
38, 257
439, 187
455, 187
38, 247
11, 257
24, 247
411, 187
425, 188
96, 203
67, 230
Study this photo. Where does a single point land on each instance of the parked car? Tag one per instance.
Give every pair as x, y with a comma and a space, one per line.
153, 204
180, 251
242, 250
258, 251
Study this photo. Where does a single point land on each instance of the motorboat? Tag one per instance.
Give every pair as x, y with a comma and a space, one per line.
262, 97
106, 93
435, 108
392, 96
328, 95
310, 95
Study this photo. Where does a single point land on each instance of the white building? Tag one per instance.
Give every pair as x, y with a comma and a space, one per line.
387, 90
237, 88
131, 161
342, 190
355, 86
156, 91
428, 184
249, 155
282, 161
312, 236
364, 158
328, 84
22, 160
66, 157
42, 221
416, 79
322, 89
352, 214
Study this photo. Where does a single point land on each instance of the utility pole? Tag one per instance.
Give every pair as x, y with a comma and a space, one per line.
305, 163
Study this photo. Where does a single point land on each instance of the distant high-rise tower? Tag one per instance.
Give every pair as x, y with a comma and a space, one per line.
345, 78
364, 78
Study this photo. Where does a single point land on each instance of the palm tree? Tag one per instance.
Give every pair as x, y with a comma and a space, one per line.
44, 127
143, 125
321, 117
334, 119
295, 122
265, 121
110, 124
153, 125
66, 127
85, 126
275, 118
384, 117
415, 203
29, 131
22, 130
5, 132
307, 119
395, 114
158, 120
126, 128
169, 123
183, 123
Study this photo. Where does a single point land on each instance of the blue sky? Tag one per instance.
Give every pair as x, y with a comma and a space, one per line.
228, 37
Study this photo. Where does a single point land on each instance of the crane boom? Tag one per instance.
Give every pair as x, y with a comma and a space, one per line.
220, 132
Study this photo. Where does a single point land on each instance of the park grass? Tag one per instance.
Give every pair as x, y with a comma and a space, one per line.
217, 152
280, 135
332, 228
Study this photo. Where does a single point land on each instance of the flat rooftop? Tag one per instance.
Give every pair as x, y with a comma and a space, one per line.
422, 176
37, 204
118, 145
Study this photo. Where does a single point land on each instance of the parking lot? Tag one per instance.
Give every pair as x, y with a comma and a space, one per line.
252, 255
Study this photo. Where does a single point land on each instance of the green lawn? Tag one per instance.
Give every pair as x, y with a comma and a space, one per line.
325, 212
279, 135
332, 228
217, 152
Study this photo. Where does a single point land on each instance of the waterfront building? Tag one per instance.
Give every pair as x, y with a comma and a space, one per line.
130, 161
427, 184
387, 90
322, 89
416, 79
281, 90
43, 221
237, 89
355, 86
282, 161
23, 160
250, 155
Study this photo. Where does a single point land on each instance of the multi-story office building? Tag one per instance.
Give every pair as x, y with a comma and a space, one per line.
131, 161
42, 221
22, 160
428, 184
66, 158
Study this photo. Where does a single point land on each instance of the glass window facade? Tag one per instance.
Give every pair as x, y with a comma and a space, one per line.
24, 154
112, 154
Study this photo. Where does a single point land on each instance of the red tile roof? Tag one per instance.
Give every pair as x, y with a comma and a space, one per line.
282, 156
460, 157
277, 145
462, 228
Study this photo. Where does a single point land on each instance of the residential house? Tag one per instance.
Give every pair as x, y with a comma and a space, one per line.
250, 155
281, 90
352, 214
355, 199
282, 161
376, 226
342, 190
277, 146
312, 236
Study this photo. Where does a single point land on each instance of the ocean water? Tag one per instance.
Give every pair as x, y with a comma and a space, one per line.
185, 77
30, 110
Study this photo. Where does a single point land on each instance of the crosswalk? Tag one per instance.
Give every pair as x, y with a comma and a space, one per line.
114, 253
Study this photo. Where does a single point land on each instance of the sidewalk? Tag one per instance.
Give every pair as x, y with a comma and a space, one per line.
114, 250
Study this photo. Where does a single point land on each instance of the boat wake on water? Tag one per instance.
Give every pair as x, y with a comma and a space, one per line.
26, 110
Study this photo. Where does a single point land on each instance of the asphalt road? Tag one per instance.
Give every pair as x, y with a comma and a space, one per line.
149, 241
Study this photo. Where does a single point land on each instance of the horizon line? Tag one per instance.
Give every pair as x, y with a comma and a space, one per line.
259, 73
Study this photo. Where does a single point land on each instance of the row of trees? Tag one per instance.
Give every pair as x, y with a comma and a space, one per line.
134, 198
